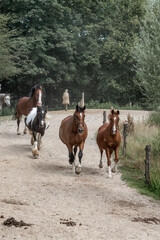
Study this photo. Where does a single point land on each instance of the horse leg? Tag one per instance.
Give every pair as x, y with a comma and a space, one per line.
32, 138
34, 149
80, 155
108, 162
66, 107
71, 156
100, 163
39, 141
73, 164
114, 169
19, 115
25, 130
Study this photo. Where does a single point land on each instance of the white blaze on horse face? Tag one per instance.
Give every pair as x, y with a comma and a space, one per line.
7, 100
40, 99
42, 121
114, 126
80, 117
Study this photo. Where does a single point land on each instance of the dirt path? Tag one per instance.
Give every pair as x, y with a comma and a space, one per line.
44, 192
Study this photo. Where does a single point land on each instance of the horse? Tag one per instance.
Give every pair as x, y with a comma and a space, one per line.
36, 123
109, 139
4, 98
26, 104
73, 133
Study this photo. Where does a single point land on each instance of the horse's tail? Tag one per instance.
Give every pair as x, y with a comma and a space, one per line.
14, 117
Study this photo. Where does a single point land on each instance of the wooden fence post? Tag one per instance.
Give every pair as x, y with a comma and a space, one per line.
104, 117
147, 164
124, 138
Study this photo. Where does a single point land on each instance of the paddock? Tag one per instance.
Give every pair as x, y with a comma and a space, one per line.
60, 204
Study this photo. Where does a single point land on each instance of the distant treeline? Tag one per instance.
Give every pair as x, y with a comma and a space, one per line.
107, 49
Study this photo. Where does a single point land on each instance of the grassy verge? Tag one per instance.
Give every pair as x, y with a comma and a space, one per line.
135, 178
133, 166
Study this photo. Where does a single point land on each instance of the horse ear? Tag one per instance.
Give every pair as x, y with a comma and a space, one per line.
118, 112
46, 108
77, 107
84, 107
38, 108
112, 111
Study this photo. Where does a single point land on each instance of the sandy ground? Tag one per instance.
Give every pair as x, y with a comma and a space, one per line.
44, 191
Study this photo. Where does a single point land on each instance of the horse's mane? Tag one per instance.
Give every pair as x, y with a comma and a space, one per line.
34, 88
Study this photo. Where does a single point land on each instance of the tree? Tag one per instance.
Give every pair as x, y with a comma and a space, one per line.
147, 56
8, 66
84, 46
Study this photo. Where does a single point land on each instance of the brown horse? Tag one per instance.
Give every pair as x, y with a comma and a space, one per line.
26, 104
109, 139
73, 132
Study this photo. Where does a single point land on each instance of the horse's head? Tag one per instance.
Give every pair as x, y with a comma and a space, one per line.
79, 118
114, 119
37, 92
41, 113
7, 99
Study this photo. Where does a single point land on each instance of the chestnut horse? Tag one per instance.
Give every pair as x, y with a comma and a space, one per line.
26, 104
73, 132
109, 139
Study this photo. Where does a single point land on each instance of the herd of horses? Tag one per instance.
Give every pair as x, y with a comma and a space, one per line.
73, 130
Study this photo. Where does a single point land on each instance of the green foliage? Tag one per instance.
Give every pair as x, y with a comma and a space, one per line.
146, 54
84, 46
154, 118
7, 111
8, 61
107, 105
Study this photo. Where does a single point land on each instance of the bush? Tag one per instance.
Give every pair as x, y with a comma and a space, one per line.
6, 111
154, 118
107, 105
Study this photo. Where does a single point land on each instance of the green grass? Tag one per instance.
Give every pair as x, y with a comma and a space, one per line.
135, 178
133, 166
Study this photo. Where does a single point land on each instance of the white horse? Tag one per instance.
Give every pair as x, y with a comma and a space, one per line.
4, 98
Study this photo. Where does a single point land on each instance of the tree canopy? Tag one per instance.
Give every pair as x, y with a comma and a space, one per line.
147, 56
81, 45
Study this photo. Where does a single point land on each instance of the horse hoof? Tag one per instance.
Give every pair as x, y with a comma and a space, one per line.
35, 153
25, 132
78, 170
113, 170
109, 175
100, 165
18, 133
70, 162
